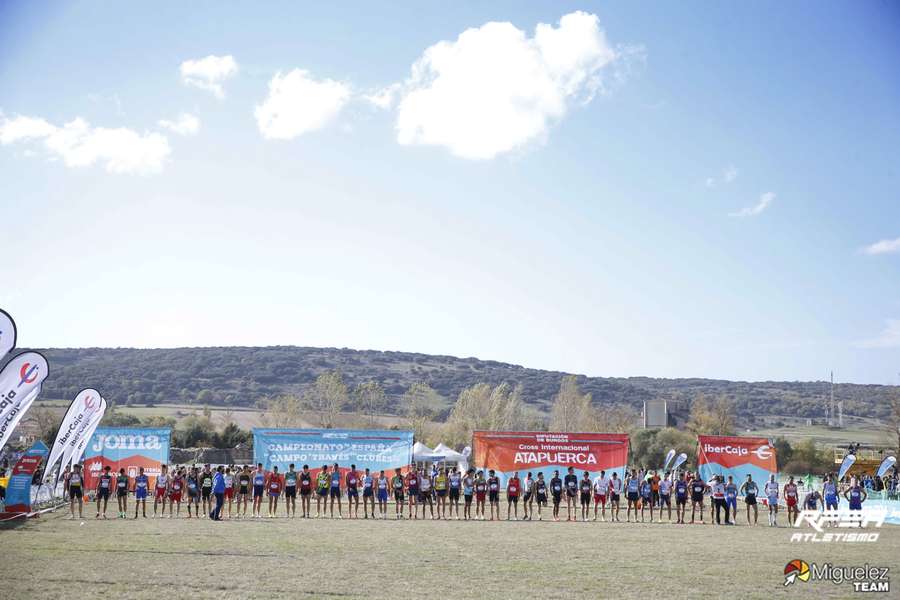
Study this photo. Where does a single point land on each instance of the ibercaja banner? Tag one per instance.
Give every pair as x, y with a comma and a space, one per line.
735, 456
373, 449
537, 451
126, 448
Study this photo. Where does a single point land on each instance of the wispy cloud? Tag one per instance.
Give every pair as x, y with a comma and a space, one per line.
888, 338
883, 247
729, 174
209, 73
185, 124
765, 200
78, 144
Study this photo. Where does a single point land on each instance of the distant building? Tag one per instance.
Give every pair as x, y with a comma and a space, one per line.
656, 414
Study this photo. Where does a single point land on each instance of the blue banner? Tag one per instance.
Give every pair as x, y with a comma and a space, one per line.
18, 492
128, 448
373, 449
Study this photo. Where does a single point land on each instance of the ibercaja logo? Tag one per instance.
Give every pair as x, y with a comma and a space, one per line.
865, 578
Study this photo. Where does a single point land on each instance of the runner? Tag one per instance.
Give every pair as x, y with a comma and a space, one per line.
791, 497
718, 496
493, 484
601, 490
512, 496
161, 491
412, 490
665, 495
646, 498
104, 486
681, 494
731, 492
335, 490
528, 498
455, 485
352, 493
244, 491
229, 489
175, 491
856, 495
305, 491
556, 490
749, 490
323, 480
540, 492
425, 493
141, 484
259, 490
73, 486
193, 490
122, 493
206, 484
771, 490
831, 493
571, 483
632, 493
397, 488
654, 493
584, 487
382, 484
615, 495
440, 489
698, 489
480, 493
468, 483
274, 484
368, 493
813, 500
290, 492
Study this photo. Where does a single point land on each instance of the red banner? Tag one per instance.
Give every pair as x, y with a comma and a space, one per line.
736, 456
509, 451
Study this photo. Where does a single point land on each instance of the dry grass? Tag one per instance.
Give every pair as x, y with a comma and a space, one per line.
273, 558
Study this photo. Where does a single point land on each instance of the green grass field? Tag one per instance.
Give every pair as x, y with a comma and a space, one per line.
273, 558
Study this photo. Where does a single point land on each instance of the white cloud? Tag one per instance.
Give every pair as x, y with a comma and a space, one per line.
883, 247
121, 150
710, 182
765, 201
384, 98
495, 89
889, 338
729, 174
298, 104
209, 73
186, 124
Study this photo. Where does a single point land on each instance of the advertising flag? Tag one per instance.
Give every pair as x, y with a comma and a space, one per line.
372, 449
21, 376
682, 458
736, 456
7, 333
886, 464
73, 453
669, 456
845, 465
18, 492
12, 417
126, 448
539, 451
74, 422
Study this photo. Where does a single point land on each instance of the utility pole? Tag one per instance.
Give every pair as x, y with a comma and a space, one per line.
831, 406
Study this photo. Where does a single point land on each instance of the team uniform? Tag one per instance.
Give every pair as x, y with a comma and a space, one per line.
540, 492
571, 481
831, 497
383, 489
175, 492
397, 484
322, 480
751, 490
632, 490
855, 498
681, 491
229, 488
290, 484
556, 488
335, 485
105, 485
206, 481
259, 484
665, 493
468, 490
305, 484
585, 486
121, 486
193, 490
601, 489
140, 487
162, 481
790, 495
615, 490
772, 493
243, 485
440, 485
493, 489
731, 492
352, 485
75, 481
454, 486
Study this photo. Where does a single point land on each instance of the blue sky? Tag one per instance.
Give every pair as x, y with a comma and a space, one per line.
691, 190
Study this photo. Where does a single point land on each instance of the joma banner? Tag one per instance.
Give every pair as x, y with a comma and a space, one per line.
372, 449
736, 456
7, 333
20, 377
83, 407
126, 448
509, 451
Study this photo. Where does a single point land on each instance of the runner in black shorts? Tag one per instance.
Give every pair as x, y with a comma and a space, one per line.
540, 492
698, 489
493, 483
571, 484
305, 491
104, 484
74, 486
556, 489
681, 494
585, 486
243, 490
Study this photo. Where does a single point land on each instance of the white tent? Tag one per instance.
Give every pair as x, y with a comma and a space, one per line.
452, 456
422, 453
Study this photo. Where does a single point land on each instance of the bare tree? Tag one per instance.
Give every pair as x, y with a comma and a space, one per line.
481, 407
327, 398
571, 409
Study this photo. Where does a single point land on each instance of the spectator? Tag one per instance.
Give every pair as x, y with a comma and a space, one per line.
219, 492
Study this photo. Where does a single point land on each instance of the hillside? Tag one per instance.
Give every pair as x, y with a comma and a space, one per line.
242, 376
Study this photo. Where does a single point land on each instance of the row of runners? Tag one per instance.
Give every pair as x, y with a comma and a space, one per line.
439, 495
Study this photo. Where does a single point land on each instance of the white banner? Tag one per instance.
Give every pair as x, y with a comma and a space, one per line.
22, 375
75, 421
7, 333
9, 422
73, 454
